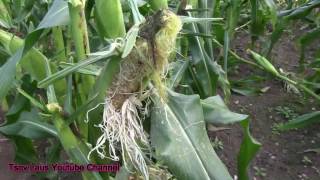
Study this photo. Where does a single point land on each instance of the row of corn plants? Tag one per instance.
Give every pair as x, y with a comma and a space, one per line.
133, 82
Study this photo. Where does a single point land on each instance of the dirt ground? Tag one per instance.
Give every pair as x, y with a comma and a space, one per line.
7, 150
7, 155
282, 155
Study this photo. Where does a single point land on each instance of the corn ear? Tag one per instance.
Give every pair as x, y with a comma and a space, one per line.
109, 18
158, 4
264, 63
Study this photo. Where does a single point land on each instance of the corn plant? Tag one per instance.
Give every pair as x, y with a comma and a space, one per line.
133, 82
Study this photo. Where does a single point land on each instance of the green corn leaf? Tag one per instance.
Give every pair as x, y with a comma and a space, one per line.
215, 111
178, 71
301, 121
248, 149
257, 20
54, 151
261, 13
31, 99
31, 61
25, 152
306, 40
58, 15
276, 34
81, 111
233, 14
20, 103
137, 17
186, 19
301, 11
271, 8
130, 40
51, 94
206, 78
206, 27
7, 71
29, 125
65, 72
5, 16
93, 70
179, 135
222, 79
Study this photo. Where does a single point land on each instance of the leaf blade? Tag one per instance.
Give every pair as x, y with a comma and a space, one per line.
183, 137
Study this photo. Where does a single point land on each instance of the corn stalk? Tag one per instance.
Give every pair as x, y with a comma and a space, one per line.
79, 36
79, 31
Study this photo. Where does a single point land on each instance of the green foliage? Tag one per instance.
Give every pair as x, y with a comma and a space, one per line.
51, 79
5, 18
183, 136
285, 111
301, 121
29, 125
55, 17
305, 41
215, 111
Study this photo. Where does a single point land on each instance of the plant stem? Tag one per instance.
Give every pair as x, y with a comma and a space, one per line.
300, 86
309, 91
225, 51
76, 150
236, 55
184, 46
79, 29
79, 35
68, 43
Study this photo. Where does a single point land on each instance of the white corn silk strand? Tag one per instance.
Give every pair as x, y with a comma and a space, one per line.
123, 128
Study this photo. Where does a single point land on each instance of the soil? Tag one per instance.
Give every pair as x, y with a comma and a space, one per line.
7, 157
282, 155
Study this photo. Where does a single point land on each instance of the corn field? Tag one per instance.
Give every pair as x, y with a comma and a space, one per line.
159, 89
